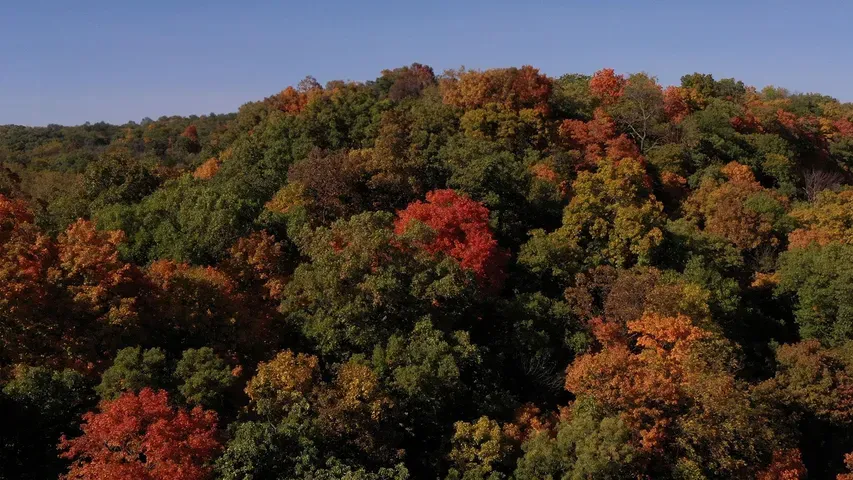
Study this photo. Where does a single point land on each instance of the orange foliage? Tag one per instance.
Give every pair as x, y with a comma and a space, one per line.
597, 139
98, 281
27, 258
827, 220
258, 258
289, 101
528, 421
283, 380
675, 103
607, 86
622, 147
647, 387
848, 462
544, 172
513, 88
207, 169
723, 209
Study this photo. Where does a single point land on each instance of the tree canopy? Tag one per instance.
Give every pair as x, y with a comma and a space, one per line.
468, 275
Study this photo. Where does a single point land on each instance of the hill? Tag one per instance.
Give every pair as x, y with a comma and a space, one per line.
474, 275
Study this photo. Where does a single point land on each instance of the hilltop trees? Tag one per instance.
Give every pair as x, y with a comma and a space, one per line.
476, 274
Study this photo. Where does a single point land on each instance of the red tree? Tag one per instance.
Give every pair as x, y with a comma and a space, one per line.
191, 133
675, 103
28, 324
142, 437
461, 228
607, 86
596, 139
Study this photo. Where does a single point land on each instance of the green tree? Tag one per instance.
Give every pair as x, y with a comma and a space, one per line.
117, 177
821, 278
132, 370
202, 377
589, 445
39, 405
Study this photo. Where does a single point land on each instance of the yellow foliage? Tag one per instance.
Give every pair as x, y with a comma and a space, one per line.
283, 380
828, 219
479, 446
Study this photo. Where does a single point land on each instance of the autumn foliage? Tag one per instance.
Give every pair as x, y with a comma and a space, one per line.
207, 169
514, 88
460, 229
142, 436
471, 275
607, 85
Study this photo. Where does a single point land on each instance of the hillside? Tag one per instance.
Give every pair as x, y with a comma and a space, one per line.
474, 275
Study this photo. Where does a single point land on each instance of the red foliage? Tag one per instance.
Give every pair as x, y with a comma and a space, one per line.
191, 133
13, 211
848, 461
622, 147
461, 228
607, 86
597, 139
409, 81
675, 104
786, 119
142, 437
844, 127
786, 465
27, 258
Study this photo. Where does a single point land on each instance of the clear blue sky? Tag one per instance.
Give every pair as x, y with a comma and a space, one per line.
70, 62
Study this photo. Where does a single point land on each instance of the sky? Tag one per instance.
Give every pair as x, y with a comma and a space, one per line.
72, 62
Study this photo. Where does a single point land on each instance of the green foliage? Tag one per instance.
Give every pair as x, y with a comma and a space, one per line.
132, 370
424, 366
611, 220
184, 221
202, 377
590, 445
822, 280
572, 98
39, 404
352, 296
117, 178
710, 136
258, 450
478, 275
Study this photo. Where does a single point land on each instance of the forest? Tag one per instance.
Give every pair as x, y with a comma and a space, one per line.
468, 275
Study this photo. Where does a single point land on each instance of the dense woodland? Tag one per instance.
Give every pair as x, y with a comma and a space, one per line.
474, 275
